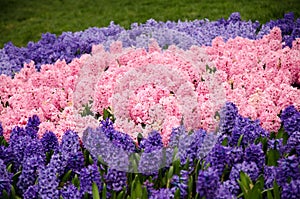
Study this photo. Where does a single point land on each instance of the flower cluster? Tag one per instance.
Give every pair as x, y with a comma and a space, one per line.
183, 34
48, 169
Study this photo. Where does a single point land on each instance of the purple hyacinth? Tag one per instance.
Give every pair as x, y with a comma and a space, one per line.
98, 144
224, 193
5, 179
70, 192
193, 146
291, 190
88, 175
269, 176
59, 162
32, 192
218, 158
48, 183
232, 186
181, 183
35, 148
254, 153
207, 183
1, 129
227, 117
293, 142
288, 168
153, 142
288, 112
240, 123
50, 142
277, 144
75, 161
236, 155
115, 180
176, 135
70, 143
163, 193
292, 124
119, 139
30, 169
32, 126
250, 168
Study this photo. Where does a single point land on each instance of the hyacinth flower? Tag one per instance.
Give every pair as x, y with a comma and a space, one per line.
88, 175
48, 183
50, 142
5, 179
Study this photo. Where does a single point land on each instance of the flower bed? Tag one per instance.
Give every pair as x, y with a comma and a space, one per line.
184, 112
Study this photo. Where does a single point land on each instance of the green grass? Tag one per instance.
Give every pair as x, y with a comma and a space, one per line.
22, 21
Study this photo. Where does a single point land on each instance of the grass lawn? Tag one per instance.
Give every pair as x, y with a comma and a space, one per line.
22, 21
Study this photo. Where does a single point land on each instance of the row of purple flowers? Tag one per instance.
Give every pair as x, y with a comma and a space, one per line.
246, 161
69, 45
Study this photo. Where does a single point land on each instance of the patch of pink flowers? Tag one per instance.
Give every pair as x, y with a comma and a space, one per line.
157, 89
260, 75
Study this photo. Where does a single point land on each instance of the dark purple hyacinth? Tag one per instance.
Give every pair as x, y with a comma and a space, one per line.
227, 117
1, 129
119, 139
224, 193
292, 124
293, 143
48, 183
218, 158
5, 179
70, 192
254, 153
163, 193
269, 176
249, 168
30, 169
70, 143
236, 155
153, 142
32, 192
59, 162
288, 168
88, 175
50, 142
288, 112
32, 126
35, 148
181, 183
291, 190
75, 162
115, 180
207, 183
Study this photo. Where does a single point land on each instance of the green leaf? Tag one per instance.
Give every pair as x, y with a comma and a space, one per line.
276, 190
9, 168
190, 185
16, 176
272, 157
5, 194
120, 195
240, 140
269, 195
104, 191
170, 173
12, 192
67, 175
95, 191
225, 142
75, 181
177, 194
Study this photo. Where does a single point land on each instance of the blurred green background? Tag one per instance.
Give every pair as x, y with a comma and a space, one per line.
22, 21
